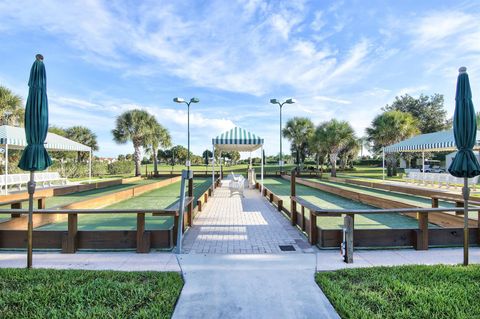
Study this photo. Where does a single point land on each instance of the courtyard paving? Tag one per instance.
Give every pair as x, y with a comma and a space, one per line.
248, 224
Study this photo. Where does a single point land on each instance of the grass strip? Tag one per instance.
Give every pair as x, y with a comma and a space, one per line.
404, 291
47, 293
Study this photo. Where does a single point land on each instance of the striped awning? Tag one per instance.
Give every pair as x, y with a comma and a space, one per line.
237, 139
15, 138
430, 142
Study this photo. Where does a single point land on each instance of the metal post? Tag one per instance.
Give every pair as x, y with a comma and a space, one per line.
213, 168
188, 129
6, 168
186, 174
281, 162
423, 166
383, 163
31, 190
466, 194
90, 167
261, 172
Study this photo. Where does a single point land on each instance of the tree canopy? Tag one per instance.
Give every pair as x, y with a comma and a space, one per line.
429, 111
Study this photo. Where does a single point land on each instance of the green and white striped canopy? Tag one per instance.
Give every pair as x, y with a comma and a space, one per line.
430, 142
15, 138
237, 139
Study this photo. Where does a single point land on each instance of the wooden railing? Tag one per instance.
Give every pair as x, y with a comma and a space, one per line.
422, 235
304, 214
72, 239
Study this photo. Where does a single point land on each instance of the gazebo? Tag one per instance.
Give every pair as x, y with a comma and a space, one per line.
430, 142
237, 139
12, 137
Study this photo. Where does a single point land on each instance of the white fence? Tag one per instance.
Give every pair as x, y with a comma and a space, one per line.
439, 179
21, 180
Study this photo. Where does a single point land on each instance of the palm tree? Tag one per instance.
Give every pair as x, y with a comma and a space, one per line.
133, 125
335, 135
299, 131
389, 128
158, 136
12, 111
83, 135
319, 148
350, 152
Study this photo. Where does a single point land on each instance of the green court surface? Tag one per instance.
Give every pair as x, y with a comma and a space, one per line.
323, 199
62, 200
157, 199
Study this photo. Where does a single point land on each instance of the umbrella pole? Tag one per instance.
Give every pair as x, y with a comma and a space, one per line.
31, 190
466, 193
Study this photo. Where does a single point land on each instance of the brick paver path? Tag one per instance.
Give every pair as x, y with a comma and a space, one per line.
231, 224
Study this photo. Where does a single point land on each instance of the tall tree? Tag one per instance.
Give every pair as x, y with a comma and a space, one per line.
429, 111
158, 136
12, 111
299, 131
318, 147
83, 135
336, 135
389, 128
206, 155
134, 126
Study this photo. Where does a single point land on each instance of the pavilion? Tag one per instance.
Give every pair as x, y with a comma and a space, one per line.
237, 139
12, 137
431, 142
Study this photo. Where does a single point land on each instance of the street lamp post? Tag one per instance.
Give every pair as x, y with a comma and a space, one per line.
192, 100
275, 101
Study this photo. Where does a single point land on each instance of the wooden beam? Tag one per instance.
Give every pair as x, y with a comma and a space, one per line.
293, 203
349, 228
422, 235
312, 231
70, 243
16, 206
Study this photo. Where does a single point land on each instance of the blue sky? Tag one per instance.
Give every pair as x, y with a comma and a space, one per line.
342, 59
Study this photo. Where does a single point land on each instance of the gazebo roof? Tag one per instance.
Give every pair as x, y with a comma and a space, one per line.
237, 139
430, 142
15, 138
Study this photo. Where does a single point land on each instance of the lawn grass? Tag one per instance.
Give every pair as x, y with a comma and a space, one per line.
323, 199
404, 291
159, 198
47, 293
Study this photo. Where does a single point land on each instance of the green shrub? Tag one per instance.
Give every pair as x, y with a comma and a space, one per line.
120, 167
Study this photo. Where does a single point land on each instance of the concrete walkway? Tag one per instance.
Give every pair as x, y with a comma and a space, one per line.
232, 224
331, 260
122, 261
251, 286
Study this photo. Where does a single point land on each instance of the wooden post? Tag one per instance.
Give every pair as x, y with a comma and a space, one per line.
205, 198
422, 235
280, 204
478, 227
302, 209
349, 227
459, 204
434, 202
199, 205
293, 204
271, 197
16, 206
70, 245
190, 206
41, 203
175, 229
312, 229
143, 238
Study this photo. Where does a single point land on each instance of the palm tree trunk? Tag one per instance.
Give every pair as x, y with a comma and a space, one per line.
155, 164
333, 161
136, 158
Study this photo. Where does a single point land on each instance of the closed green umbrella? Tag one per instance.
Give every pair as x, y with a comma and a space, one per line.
465, 164
35, 156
